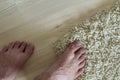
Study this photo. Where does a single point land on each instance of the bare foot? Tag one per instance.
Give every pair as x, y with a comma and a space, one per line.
13, 57
69, 66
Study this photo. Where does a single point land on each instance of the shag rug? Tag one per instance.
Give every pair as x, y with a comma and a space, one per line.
100, 35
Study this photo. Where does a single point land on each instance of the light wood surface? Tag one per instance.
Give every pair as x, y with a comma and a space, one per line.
42, 22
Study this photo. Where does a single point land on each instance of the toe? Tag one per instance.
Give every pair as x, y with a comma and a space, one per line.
17, 44
4, 49
11, 45
81, 59
23, 46
82, 64
29, 49
80, 52
80, 72
73, 47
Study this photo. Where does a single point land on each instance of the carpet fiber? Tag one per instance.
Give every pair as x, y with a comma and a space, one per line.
100, 35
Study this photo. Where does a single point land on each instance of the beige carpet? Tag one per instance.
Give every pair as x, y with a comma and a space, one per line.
41, 22
101, 37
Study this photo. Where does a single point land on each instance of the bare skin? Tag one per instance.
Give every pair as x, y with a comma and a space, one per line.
69, 66
12, 59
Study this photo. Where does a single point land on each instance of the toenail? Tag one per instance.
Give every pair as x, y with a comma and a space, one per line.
72, 46
77, 43
83, 50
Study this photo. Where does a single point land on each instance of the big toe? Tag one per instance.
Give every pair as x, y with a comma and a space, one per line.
73, 47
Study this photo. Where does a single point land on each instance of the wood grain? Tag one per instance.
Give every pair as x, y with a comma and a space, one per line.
42, 22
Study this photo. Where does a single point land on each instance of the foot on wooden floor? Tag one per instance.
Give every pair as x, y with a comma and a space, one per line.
13, 57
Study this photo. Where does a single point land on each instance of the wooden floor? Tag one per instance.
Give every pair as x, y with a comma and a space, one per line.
42, 22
